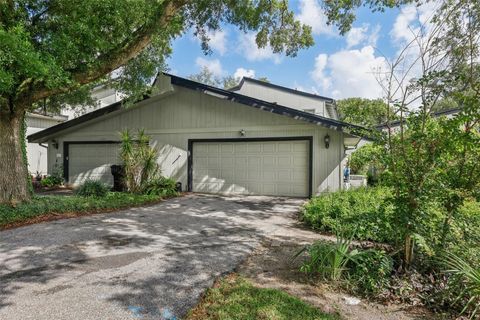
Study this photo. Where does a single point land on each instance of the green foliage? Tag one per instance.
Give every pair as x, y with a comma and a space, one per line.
55, 179
366, 272
44, 43
365, 212
371, 272
466, 277
237, 298
44, 205
139, 160
364, 112
329, 260
164, 187
92, 188
365, 158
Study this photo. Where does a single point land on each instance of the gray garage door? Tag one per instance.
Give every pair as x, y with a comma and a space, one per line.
91, 161
279, 168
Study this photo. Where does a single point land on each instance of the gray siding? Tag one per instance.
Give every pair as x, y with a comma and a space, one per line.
186, 114
283, 98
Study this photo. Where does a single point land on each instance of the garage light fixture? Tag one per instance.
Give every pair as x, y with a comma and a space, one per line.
55, 144
326, 139
242, 132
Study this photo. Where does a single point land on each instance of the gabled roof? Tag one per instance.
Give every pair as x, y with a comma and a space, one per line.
281, 88
220, 93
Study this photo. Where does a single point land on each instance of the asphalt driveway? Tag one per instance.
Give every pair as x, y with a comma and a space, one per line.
143, 263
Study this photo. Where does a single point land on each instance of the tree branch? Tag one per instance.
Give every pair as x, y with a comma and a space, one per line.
32, 90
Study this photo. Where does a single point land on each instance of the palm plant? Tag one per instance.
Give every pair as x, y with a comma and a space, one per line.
467, 279
139, 160
327, 259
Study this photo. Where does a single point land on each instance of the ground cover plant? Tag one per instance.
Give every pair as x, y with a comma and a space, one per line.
236, 298
365, 213
44, 207
369, 214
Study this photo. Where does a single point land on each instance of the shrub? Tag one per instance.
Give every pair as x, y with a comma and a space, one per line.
55, 179
164, 187
92, 188
370, 273
365, 212
328, 260
364, 158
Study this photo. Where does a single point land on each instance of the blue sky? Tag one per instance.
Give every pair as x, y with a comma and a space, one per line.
336, 66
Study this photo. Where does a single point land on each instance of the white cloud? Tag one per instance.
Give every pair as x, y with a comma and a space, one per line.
213, 65
241, 72
361, 35
413, 21
249, 49
349, 73
217, 40
311, 14
319, 75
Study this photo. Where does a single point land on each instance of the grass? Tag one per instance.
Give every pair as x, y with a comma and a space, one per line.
44, 208
236, 298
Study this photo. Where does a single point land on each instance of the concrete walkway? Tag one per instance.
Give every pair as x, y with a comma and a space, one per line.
143, 263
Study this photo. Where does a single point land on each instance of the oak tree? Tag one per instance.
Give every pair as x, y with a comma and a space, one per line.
52, 50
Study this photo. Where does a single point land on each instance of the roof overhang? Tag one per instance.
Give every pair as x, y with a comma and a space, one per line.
351, 129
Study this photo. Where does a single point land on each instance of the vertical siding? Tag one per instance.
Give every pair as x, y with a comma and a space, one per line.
284, 98
188, 114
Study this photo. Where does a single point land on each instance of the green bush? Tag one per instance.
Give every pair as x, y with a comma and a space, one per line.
370, 273
367, 272
164, 187
55, 179
364, 158
365, 212
92, 188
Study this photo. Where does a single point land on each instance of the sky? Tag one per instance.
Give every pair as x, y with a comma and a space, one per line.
336, 66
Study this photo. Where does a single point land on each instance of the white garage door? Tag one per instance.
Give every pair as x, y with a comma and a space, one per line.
91, 161
279, 168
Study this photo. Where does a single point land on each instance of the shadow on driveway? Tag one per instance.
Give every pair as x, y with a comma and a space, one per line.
150, 262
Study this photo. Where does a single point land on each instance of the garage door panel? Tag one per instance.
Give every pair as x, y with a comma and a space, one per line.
91, 161
252, 167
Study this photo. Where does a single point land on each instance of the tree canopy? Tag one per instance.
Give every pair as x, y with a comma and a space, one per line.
364, 112
52, 47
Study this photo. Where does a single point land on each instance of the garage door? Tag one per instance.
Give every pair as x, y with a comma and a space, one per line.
279, 168
91, 161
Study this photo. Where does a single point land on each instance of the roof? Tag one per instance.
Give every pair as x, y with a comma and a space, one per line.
436, 114
285, 89
221, 93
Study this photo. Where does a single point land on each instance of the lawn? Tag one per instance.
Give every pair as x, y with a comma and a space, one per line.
236, 298
43, 208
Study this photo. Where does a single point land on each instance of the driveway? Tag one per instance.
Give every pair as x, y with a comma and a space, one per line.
144, 263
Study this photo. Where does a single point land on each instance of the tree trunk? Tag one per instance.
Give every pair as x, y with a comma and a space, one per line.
13, 169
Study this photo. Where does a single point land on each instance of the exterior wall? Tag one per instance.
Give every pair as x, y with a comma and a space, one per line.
295, 101
186, 114
37, 154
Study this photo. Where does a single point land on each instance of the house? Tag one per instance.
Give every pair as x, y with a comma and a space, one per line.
257, 138
37, 153
40, 120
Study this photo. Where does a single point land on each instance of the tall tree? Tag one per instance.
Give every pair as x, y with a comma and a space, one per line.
51, 49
